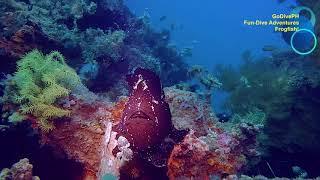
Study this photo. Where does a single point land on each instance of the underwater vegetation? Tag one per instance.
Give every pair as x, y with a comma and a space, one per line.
280, 94
36, 86
259, 83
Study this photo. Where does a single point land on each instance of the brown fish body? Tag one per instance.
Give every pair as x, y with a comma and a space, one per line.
146, 119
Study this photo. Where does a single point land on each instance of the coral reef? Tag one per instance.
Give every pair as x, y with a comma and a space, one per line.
39, 24
88, 137
189, 111
21, 170
207, 149
81, 137
201, 82
204, 77
215, 154
49, 14
104, 33
255, 117
244, 177
110, 164
192, 158
99, 45
22, 41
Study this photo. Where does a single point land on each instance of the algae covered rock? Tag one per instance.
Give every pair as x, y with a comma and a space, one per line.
21, 170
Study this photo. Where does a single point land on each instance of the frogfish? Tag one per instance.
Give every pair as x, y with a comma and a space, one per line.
146, 124
146, 119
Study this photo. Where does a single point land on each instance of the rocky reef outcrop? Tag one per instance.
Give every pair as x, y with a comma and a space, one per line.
88, 138
21, 170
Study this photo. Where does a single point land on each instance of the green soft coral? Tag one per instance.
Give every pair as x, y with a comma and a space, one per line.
40, 81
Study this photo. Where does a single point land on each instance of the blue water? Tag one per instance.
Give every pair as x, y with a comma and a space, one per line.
216, 25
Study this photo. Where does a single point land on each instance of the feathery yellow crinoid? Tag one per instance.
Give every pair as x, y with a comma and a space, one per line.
41, 80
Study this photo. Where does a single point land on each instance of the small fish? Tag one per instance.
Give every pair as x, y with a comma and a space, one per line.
195, 70
269, 48
30, 7
186, 52
164, 37
172, 45
223, 117
195, 42
146, 13
172, 26
162, 18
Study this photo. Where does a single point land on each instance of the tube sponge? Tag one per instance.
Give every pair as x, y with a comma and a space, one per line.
40, 81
